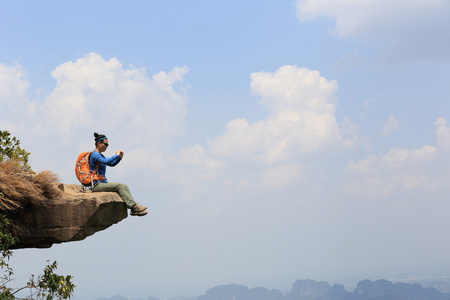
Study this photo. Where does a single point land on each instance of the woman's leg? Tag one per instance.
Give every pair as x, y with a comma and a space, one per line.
120, 188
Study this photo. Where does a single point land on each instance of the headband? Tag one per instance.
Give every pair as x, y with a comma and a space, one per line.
101, 139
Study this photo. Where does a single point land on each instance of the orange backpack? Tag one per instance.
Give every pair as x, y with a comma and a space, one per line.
83, 172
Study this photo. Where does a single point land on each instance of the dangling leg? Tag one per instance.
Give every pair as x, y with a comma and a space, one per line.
124, 193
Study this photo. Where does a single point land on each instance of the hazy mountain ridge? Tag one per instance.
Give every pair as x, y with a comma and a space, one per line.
318, 290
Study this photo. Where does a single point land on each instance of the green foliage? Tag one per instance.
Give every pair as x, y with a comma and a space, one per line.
6, 241
47, 286
10, 149
50, 285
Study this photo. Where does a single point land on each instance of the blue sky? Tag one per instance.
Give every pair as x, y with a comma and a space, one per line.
271, 140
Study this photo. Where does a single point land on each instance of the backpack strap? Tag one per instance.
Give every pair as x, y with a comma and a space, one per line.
94, 172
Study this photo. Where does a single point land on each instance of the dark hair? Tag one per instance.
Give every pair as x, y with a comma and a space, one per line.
98, 137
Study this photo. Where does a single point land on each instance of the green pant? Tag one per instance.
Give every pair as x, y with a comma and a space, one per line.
119, 188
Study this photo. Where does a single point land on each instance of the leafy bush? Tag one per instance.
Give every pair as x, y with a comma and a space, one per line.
47, 285
10, 149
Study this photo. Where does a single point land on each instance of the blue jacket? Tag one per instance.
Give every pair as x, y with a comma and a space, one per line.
99, 158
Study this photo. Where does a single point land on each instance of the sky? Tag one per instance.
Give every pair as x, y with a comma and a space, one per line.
271, 140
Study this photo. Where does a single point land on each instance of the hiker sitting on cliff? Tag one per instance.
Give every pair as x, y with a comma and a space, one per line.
97, 160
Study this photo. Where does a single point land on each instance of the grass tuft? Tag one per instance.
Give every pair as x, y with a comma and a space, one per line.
19, 187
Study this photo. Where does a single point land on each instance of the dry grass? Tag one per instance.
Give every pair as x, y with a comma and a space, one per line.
44, 180
19, 187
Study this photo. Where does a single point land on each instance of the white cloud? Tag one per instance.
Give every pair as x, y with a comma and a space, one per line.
300, 119
13, 88
13, 81
393, 159
399, 157
418, 26
377, 186
391, 125
92, 93
270, 153
442, 134
371, 17
137, 112
400, 169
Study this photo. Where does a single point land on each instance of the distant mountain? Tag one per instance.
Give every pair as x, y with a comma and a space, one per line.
320, 290
367, 289
239, 292
308, 290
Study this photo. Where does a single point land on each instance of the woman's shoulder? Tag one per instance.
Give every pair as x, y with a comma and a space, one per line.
95, 154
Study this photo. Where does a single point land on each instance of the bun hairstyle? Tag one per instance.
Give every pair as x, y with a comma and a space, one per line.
98, 137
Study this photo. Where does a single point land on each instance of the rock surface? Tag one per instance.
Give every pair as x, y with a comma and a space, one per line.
72, 217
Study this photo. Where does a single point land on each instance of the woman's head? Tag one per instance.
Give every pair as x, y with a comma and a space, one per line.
101, 140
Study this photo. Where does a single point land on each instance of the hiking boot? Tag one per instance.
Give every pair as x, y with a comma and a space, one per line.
137, 208
139, 214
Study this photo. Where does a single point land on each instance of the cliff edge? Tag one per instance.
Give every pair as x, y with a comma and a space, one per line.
72, 216
44, 211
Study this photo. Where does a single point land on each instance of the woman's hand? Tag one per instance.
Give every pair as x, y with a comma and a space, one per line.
120, 153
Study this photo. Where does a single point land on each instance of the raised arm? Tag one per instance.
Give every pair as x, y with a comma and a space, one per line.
109, 161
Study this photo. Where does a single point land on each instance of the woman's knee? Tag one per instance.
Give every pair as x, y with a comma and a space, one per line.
123, 189
122, 186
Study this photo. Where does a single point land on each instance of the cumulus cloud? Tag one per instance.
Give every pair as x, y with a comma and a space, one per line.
13, 81
301, 108
270, 152
395, 158
93, 94
417, 26
401, 169
13, 87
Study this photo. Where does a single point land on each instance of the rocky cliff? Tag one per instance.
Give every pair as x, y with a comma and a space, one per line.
72, 216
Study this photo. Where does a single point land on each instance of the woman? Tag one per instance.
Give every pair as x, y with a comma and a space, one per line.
98, 160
